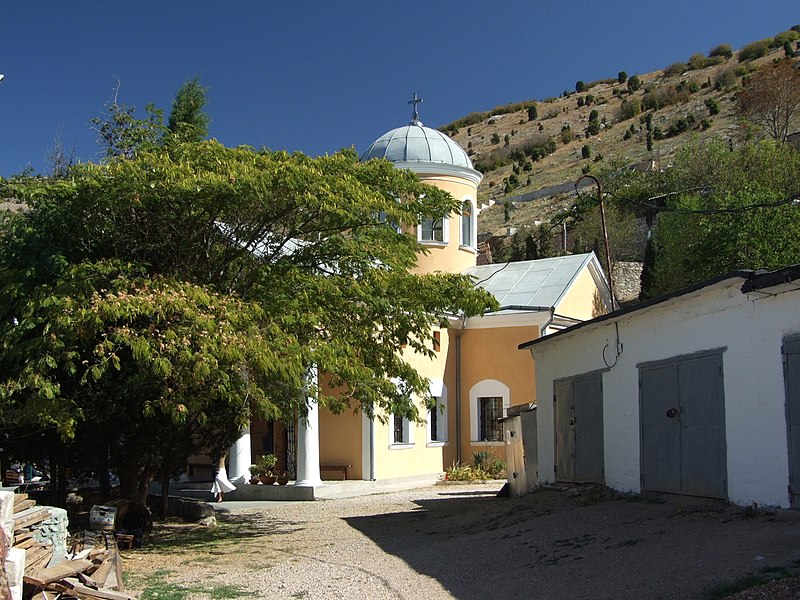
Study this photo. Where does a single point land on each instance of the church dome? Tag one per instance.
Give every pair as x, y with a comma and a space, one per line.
415, 143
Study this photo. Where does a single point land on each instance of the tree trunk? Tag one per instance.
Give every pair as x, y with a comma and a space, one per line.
164, 496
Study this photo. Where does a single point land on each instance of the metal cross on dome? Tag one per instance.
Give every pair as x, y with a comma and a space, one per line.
415, 101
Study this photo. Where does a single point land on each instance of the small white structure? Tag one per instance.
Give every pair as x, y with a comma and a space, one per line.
695, 393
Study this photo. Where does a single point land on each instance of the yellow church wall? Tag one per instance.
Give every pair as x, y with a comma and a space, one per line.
452, 257
582, 300
340, 442
487, 354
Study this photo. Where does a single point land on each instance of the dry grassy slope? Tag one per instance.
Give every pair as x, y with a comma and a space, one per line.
566, 163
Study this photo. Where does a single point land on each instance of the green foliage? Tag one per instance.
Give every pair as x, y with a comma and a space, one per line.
736, 233
634, 83
122, 134
152, 304
723, 50
676, 68
754, 50
580, 86
187, 121
713, 106
535, 148
622, 77
629, 108
586, 152
484, 467
264, 465
533, 112
495, 138
566, 135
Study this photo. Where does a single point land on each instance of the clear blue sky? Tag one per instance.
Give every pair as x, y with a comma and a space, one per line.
317, 76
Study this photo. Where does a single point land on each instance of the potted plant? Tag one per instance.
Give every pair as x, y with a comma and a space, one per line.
254, 474
266, 467
283, 478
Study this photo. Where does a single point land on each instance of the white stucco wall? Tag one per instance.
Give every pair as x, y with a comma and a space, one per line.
751, 327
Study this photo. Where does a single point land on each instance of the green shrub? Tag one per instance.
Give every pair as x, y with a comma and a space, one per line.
622, 77
634, 83
726, 79
754, 50
495, 138
580, 86
586, 151
629, 108
676, 68
723, 50
594, 116
697, 61
713, 106
533, 112
566, 135
785, 36
581, 100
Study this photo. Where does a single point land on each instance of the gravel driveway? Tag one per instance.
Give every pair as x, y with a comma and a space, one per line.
461, 541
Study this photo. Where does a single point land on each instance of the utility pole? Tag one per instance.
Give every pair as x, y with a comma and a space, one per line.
605, 233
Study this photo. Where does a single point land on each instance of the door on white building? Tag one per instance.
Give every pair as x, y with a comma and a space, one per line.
682, 420
579, 429
791, 367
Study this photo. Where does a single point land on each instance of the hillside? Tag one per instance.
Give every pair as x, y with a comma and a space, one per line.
695, 99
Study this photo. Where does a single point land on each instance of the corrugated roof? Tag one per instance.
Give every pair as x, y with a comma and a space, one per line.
530, 283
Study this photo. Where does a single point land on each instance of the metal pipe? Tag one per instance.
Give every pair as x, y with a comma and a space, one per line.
605, 233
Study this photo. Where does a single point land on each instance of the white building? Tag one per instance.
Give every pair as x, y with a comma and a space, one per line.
694, 393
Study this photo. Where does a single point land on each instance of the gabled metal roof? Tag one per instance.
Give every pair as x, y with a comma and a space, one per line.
530, 283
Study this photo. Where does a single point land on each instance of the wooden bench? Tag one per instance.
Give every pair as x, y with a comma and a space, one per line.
342, 469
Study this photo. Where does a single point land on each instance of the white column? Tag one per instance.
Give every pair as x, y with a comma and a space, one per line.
240, 457
308, 442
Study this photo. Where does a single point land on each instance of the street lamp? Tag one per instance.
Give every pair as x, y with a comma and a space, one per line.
605, 233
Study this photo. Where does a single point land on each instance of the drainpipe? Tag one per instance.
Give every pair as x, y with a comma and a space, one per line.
372, 448
458, 387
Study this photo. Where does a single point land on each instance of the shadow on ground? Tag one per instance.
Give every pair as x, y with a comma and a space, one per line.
582, 542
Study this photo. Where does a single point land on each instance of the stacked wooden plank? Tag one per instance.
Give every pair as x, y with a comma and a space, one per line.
94, 574
26, 516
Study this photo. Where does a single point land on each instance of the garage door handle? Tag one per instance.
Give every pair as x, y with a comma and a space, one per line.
673, 412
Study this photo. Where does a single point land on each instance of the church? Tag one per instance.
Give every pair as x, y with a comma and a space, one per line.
477, 372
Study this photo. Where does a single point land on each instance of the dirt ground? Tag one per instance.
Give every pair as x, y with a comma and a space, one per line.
461, 541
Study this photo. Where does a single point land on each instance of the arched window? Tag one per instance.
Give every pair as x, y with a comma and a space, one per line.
467, 224
433, 230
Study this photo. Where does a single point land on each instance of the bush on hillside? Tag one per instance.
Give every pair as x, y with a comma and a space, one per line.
754, 50
622, 77
676, 68
634, 83
723, 50
629, 108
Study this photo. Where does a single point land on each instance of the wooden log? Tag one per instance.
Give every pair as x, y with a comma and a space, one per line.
66, 568
23, 505
20, 498
34, 556
30, 517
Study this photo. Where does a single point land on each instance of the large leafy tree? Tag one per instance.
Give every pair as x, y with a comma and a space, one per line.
151, 305
723, 210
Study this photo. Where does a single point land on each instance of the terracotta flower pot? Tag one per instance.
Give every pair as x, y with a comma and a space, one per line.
268, 479
283, 479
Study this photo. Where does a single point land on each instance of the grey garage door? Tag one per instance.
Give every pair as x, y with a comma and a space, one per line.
791, 358
682, 414
579, 429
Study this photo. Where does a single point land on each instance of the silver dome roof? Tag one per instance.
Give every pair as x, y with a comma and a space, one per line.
415, 143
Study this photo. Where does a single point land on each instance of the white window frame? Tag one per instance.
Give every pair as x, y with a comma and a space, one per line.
445, 231
439, 392
470, 221
408, 434
485, 389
